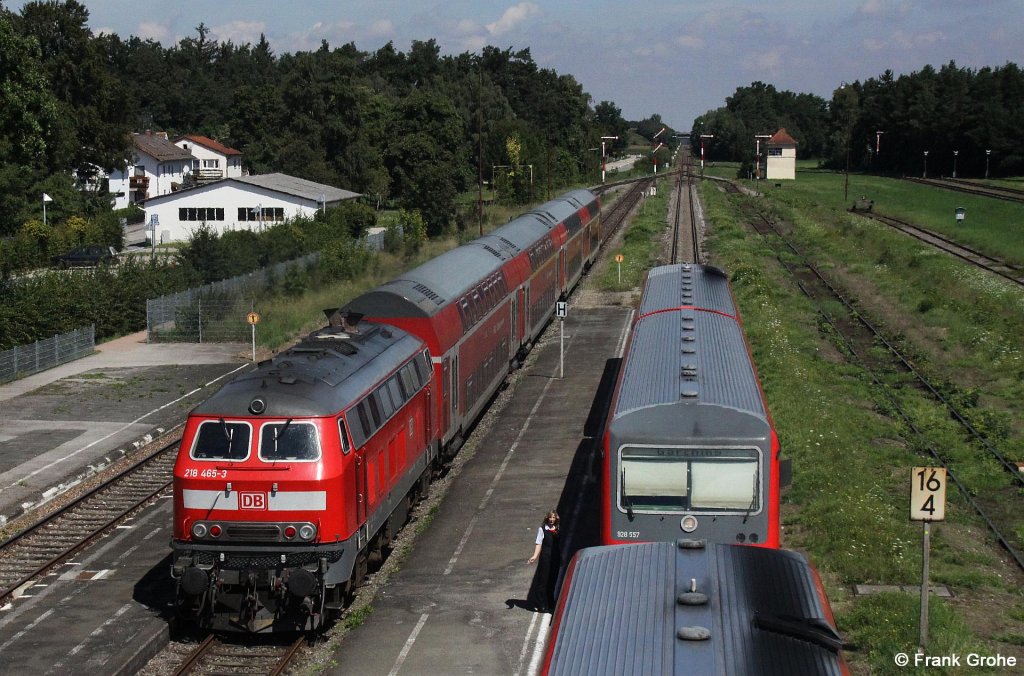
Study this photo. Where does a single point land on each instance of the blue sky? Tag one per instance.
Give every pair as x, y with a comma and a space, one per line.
678, 58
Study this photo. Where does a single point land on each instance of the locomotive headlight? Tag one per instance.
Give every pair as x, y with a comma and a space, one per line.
215, 531
688, 523
289, 532
199, 530
307, 531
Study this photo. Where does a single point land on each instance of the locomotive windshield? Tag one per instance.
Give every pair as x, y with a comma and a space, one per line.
289, 440
654, 479
221, 440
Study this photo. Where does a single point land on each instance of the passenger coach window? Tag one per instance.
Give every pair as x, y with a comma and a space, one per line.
289, 440
220, 440
678, 479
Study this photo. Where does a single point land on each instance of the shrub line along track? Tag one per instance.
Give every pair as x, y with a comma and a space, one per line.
57, 537
972, 188
766, 228
1008, 271
214, 656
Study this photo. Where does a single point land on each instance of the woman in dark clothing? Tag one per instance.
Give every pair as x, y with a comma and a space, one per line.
548, 555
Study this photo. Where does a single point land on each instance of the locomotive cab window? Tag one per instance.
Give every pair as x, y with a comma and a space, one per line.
221, 440
674, 480
289, 440
346, 445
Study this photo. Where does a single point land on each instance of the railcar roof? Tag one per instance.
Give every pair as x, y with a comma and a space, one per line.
672, 286
423, 291
621, 614
689, 358
322, 374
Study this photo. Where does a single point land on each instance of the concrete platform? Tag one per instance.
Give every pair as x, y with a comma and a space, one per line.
457, 604
64, 424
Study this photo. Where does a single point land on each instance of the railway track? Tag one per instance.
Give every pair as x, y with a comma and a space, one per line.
972, 188
685, 239
215, 656
859, 336
1008, 271
34, 551
623, 207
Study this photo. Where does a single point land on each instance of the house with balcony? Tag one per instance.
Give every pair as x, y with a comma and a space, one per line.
213, 160
781, 160
157, 167
239, 203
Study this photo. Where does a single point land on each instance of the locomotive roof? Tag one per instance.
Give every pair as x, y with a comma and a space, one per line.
423, 291
763, 612
672, 286
322, 374
688, 360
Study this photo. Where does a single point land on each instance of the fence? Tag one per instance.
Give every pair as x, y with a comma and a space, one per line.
214, 312
24, 360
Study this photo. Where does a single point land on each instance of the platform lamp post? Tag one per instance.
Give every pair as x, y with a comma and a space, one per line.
924, 174
603, 139
757, 157
878, 142
987, 154
955, 153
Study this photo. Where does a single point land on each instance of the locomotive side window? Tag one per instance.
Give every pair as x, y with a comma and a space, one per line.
220, 440
397, 395
289, 440
364, 420
346, 446
409, 380
378, 420
671, 480
386, 404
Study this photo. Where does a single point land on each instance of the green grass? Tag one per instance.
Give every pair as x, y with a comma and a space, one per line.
638, 246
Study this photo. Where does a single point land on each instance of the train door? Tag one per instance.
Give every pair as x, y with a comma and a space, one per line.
561, 271
361, 485
455, 389
445, 399
512, 324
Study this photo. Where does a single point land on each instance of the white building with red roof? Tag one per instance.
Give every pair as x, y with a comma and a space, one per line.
213, 160
781, 156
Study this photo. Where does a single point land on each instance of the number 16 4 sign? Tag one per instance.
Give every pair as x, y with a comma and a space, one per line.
928, 494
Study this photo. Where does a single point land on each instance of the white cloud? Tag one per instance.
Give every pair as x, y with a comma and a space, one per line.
690, 41
381, 28
513, 16
240, 32
153, 30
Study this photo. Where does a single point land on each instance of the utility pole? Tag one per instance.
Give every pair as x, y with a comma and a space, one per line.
480, 149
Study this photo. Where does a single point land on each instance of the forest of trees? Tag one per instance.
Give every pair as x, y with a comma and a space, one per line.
405, 128
952, 108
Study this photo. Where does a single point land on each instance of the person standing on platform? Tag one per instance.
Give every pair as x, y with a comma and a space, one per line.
547, 556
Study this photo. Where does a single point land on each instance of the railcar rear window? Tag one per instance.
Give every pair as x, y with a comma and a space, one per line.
289, 441
676, 480
218, 440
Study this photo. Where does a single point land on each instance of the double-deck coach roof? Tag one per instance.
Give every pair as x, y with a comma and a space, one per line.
319, 376
643, 608
425, 290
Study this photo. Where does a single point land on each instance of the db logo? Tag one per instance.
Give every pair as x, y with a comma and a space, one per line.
252, 500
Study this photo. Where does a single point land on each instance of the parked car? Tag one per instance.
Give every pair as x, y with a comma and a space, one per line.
87, 255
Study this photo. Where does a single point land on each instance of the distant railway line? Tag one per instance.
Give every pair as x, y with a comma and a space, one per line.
1008, 271
972, 188
858, 335
685, 225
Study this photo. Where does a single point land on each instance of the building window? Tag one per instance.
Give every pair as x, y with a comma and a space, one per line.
261, 214
211, 164
775, 152
200, 214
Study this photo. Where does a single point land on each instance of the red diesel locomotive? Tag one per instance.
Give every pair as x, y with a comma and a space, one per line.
293, 478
